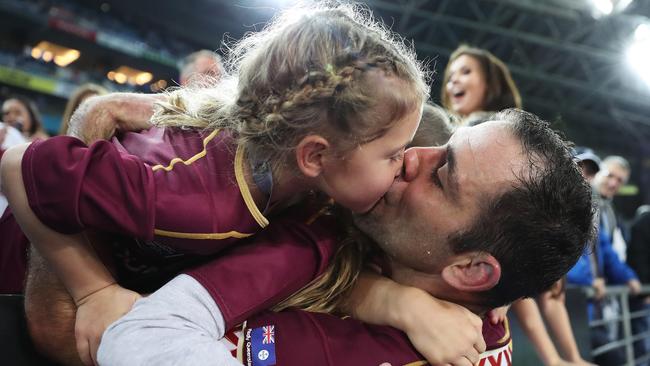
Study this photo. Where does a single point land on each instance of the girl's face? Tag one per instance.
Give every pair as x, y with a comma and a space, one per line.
15, 114
466, 87
360, 179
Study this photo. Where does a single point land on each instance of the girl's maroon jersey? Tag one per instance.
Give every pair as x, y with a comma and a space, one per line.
177, 190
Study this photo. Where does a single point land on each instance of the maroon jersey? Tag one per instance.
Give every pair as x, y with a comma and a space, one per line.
271, 266
195, 201
297, 337
13, 255
177, 190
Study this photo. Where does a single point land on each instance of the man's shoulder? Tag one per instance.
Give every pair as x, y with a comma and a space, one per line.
300, 338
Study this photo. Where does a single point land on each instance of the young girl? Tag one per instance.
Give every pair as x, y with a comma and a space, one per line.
323, 101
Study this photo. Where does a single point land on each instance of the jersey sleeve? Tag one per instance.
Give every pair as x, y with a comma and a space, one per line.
71, 186
269, 266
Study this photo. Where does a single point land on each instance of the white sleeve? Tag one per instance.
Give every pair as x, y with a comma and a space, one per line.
179, 324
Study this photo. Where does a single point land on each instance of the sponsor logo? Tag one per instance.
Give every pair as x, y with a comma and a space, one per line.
497, 357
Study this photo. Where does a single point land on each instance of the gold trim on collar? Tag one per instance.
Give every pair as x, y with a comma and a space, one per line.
245, 191
506, 325
190, 160
417, 363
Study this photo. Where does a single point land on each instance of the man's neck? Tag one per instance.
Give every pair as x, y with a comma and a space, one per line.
434, 284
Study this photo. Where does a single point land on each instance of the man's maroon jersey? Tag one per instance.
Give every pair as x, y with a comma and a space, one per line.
296, 337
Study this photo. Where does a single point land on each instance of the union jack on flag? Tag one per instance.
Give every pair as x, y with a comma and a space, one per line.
268, 334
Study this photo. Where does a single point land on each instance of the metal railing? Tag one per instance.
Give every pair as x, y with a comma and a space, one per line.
624, 319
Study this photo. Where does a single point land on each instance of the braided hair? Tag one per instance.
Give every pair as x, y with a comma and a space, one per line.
310, 71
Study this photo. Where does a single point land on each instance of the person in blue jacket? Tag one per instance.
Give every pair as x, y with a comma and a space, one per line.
600, 265
609, 270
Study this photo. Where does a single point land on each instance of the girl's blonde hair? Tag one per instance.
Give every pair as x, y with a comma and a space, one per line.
308, 71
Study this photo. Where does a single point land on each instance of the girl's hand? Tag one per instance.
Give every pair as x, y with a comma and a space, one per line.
443, 332
498, 315
95, 313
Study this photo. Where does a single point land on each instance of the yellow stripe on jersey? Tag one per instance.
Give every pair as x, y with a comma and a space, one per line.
417, 363
243, 188
240, 344
506, 325
218, 236
189, 161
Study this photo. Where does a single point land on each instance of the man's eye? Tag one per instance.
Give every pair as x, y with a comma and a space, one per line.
435, 178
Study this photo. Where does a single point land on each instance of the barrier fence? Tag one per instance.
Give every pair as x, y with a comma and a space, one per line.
629, 324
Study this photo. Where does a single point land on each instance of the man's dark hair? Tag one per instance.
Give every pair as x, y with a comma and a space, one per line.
538, 229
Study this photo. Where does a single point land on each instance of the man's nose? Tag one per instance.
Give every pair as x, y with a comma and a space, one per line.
419, 159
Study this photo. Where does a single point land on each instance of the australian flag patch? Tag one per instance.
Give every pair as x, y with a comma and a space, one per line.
260, 346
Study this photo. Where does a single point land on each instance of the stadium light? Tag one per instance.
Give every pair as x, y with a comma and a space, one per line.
607, 7
125, 74
61, 55
604, 7
638, 53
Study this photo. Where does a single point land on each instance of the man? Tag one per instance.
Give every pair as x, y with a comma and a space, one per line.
614, 174
588, 162
600, 264
499, 213
200, 66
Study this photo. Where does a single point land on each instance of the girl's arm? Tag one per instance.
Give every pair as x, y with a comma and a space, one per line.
98, 117
75, 263
556, 315
531, 322
441, 331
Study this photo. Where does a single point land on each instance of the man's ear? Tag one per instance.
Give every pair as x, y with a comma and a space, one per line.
473, 272
310, 153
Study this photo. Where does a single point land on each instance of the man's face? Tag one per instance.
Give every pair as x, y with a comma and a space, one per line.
611, 178
440, 193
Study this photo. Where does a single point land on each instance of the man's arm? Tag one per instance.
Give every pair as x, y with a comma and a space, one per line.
98, 117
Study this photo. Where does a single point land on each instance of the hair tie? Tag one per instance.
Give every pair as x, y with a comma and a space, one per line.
329, 68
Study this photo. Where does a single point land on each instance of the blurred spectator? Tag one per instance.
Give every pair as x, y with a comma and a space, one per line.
614, 173
588, 162
22, 114
201, 67
79, 95
601, 265
476, 84
434, 129
9, 137
638, 257
638, 252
